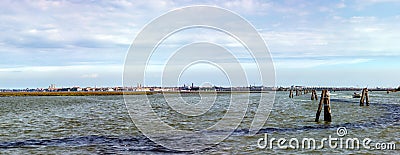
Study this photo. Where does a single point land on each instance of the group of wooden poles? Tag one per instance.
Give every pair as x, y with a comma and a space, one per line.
325, 100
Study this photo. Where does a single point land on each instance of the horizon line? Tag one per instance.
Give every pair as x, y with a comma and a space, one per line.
158, 86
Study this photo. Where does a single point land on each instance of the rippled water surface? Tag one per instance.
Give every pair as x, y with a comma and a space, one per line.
101, 124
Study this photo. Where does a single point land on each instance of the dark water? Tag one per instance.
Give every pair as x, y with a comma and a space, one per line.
101, 124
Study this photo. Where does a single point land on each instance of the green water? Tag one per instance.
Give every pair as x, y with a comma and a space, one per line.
101, 124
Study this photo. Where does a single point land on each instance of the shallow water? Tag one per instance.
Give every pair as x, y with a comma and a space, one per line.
101, 124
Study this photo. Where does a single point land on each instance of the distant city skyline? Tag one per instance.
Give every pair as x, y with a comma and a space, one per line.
313, 43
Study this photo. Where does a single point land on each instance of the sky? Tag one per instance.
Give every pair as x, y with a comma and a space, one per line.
313, 43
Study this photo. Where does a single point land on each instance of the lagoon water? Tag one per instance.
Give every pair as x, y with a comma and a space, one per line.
101, 124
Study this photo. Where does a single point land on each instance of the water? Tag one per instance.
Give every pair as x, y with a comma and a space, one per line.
101, 124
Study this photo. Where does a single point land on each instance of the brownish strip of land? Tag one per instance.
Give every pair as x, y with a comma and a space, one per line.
100, 93
71, 93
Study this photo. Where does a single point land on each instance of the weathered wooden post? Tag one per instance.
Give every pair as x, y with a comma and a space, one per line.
364, 96
314, 95
297, 92
291, 94
327, 107
319, 106
325, 99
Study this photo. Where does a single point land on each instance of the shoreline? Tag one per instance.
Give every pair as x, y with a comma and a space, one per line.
10, 94
105, 93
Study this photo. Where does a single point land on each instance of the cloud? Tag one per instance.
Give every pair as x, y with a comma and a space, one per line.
62, 76
302, 63
371, 2
368, 29
362, 19
341, 5
61, 68
94, 75
248, 6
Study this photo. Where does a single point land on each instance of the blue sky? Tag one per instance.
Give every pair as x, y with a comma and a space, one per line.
84, 43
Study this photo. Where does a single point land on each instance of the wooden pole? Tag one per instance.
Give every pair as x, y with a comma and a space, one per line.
312, 95
320, 106
362, 97
297, 92
325, 99
291, 94
327, 107
366, 96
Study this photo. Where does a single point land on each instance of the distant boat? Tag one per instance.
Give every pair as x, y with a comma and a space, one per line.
356, 95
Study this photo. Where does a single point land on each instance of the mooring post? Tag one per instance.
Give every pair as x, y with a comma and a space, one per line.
366, 96
312, 95
297, 92
327, 107
291, 94
320, 106
362, 98
325, 99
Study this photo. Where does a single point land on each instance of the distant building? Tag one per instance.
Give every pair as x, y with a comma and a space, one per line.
76, 89
222, 88
52, 87
256, 88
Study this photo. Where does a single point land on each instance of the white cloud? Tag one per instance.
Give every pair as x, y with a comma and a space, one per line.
38, 69
295, 41
312, 63
362, 19
94, 75
377, 1
368, 29
341, 5
243, 7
